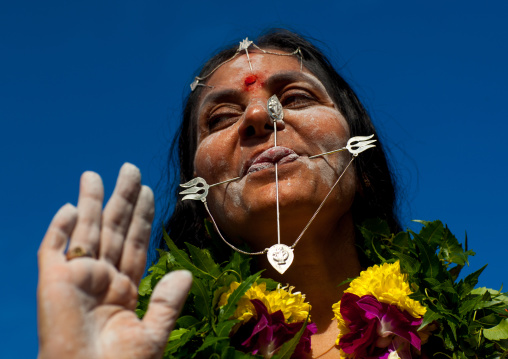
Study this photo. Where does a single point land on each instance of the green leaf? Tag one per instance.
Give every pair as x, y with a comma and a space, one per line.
203, 260
183, 259
145, 286
496, 296
469, 305
451, 250
209, 341
432, 232
498, 332
177, 333
488, 320
202, 297
187, 321
429, 261
140, 312
446, 286
409, 264
467, 285
224, 328
270, 283
240, 264
174, 345
142, 306
434, 283
429, 317
402, 240
229, 309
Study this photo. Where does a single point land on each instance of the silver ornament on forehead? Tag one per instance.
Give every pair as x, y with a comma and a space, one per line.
274, 108
244, 44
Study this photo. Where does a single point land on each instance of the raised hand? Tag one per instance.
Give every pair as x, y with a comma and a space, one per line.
86, 299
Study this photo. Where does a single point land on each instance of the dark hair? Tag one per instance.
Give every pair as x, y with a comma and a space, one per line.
376, 199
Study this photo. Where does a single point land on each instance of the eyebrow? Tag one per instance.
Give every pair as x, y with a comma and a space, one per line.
293, 76
282, 77
218, 96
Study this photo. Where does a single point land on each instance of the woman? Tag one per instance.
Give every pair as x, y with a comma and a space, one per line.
87, 296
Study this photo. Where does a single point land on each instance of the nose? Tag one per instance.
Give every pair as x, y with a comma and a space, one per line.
256, 122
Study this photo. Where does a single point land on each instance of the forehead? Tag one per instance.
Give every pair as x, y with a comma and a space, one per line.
263, 66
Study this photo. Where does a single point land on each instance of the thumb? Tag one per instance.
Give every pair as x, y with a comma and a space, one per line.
165, 304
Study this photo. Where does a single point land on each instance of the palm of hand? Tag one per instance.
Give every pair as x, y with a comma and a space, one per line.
86, 305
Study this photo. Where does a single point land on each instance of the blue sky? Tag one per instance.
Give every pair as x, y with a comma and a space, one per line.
91, 85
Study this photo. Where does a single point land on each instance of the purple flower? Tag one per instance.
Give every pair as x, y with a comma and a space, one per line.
377, 329
265, 333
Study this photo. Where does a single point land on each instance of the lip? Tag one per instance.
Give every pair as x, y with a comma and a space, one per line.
269, 158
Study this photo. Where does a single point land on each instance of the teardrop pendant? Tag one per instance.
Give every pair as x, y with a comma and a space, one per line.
280, 257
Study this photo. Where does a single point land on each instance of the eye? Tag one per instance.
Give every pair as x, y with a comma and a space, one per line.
297, 99
222, 117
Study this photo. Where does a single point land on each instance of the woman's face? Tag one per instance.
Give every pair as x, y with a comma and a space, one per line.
236, 138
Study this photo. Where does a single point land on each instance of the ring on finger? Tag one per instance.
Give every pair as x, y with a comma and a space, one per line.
77, 252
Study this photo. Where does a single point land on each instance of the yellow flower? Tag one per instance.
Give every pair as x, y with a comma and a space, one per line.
244, 310
292, 305
388, 285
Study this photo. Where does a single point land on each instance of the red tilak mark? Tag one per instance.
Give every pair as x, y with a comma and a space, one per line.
250, 80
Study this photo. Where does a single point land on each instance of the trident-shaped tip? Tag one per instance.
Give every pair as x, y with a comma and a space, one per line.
244, 44
358, 144
198, 189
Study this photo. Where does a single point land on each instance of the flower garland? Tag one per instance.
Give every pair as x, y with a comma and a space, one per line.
376, 317
268, 319
409, 304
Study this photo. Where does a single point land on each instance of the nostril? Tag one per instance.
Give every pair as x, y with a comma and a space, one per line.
250, 131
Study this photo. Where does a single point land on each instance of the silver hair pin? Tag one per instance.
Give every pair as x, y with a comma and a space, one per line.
244, 45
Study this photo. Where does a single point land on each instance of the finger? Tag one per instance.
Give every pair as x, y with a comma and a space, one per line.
118, 213
165, 305
52, 248
133, 258
86, 233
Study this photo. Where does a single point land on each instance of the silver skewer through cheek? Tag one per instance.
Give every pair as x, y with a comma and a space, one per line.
279, 255
355, 145
197, 188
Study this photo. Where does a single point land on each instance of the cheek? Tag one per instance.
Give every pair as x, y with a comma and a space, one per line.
324, 128
212, 158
